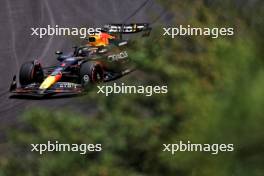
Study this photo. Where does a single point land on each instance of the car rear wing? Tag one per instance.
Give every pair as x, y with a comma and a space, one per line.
127, 28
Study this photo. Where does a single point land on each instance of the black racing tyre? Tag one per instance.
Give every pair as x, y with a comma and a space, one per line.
29, 73
91, 72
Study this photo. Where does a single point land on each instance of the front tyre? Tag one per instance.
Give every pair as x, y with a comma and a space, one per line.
91, 72
30, 73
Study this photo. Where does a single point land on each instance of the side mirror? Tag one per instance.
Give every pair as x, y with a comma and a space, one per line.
102, 50
58, 53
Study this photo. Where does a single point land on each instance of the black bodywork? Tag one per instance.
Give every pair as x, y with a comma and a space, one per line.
113, 61
109, 62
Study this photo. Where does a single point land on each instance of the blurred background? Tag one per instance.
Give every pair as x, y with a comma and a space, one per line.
215, 92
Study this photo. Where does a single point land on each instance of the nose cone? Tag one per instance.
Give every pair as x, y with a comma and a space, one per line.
48, 82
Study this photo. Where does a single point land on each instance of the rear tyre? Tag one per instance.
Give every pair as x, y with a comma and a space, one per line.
91, 72
30, 73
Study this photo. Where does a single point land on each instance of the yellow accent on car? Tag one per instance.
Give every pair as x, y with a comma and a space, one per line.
49, 81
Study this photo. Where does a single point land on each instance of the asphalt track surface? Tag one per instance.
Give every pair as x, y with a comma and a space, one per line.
18, 46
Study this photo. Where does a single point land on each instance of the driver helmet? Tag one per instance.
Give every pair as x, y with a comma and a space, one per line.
101, 39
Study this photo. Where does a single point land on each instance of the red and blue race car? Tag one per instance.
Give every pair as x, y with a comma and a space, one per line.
103, 58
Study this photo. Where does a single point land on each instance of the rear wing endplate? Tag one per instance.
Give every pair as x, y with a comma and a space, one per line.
127, 28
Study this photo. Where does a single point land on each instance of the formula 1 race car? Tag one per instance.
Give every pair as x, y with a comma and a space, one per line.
104, 58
